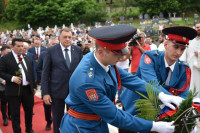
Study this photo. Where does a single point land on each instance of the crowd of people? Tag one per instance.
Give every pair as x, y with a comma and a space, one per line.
104, 60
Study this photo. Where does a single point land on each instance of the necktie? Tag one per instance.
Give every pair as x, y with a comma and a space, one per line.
67, 58
167, 71
25, 70
167, 76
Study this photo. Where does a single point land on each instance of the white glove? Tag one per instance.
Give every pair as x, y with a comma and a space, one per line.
167, 100
163, 127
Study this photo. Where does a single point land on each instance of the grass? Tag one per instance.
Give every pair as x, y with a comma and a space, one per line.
11, 25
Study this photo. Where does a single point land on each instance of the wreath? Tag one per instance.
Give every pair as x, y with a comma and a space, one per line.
149, 108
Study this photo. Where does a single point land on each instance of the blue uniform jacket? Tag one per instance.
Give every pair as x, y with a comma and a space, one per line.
90, 75
154, 71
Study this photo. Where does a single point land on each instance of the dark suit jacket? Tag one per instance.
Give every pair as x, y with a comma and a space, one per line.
55, 73
31, 56
40, 65
8, 69
32, 50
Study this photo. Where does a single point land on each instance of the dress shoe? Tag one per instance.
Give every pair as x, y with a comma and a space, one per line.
30, 131
5, 122
48, 126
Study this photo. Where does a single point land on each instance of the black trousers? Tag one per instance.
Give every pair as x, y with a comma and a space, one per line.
47, 112
27, 101
58, 106
3, 104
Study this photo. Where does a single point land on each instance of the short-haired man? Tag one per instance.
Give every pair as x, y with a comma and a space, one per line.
90, 100
4, 50
16, 68
162, 38
137, 51
59, 63
148, 41
164, 67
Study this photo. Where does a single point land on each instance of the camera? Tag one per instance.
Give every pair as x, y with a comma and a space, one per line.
133, 41
89, 41
79, 44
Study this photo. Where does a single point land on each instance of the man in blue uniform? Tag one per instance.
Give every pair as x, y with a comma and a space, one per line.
94, 83
164, 68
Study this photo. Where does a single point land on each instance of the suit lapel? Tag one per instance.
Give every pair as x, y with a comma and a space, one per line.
14, 62
34, 51
73, 55
60, 54
26, 61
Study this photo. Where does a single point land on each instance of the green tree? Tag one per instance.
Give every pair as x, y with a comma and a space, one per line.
48, 12
190, 6
154, 7
1, 7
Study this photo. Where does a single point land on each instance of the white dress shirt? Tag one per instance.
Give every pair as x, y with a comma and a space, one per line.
24, 81
69, 51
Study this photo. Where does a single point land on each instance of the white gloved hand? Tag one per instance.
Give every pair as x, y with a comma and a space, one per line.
167, 100
163, 127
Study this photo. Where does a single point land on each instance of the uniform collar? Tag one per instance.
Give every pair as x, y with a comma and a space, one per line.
106, 68
171, 67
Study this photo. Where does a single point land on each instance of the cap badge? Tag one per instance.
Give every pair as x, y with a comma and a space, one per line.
90, 74
91, 68
184, 38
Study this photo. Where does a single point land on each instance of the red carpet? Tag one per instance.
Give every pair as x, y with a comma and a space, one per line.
39, 122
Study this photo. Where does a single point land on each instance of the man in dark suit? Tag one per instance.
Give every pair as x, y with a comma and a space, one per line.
4, 50
47, 108
59, 64
31, 56
16, 68
36, 50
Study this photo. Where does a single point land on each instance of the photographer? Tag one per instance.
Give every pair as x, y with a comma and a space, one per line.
85, 47
138, 47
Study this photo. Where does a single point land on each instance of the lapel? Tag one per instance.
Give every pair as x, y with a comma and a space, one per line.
26, 61
34, 52
60, 54
175, 75
162, 69
13, 61
73, 55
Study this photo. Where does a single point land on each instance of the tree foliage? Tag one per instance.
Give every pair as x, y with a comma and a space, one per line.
190, 6
53, 12
154, 7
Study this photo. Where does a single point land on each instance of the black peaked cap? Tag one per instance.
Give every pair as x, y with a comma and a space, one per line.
113, 34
